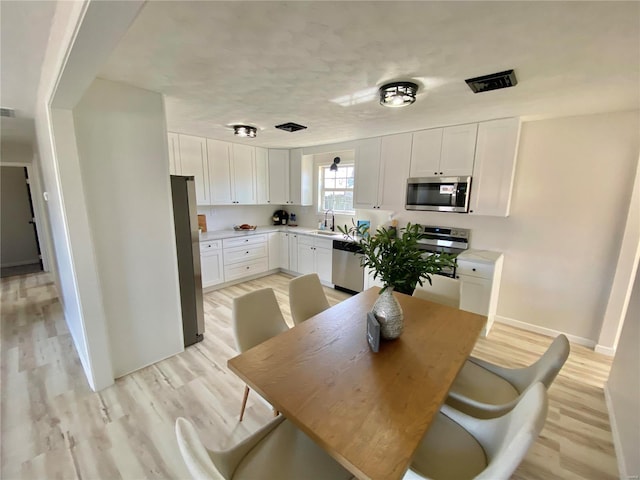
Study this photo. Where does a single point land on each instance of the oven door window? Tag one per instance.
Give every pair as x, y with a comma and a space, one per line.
436, 194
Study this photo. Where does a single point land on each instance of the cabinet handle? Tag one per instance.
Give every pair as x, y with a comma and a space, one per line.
440, 173
247, 252
457, 276
470, 211
435, 173
473, 269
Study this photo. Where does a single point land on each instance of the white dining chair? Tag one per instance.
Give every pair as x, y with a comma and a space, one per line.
485, 390
306, 297
256, 317
460, 447
277, 451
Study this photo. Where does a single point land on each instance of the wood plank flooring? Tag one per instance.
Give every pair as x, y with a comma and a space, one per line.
54, 426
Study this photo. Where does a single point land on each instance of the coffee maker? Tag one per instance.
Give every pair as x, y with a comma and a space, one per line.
280, 217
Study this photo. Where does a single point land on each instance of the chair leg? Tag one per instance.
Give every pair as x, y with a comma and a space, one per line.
244, 401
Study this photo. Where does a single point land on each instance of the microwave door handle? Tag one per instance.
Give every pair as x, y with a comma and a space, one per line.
454, 195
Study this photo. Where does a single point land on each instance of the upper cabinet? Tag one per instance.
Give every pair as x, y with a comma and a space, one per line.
381, 171
494, 169
232, 173
193, 161
262, 176
447, 151
278, 177
367, 171
290, 177
395, 157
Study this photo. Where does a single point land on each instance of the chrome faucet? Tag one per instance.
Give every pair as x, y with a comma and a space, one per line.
333, 220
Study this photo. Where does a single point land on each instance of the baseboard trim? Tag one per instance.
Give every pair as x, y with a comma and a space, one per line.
615, 433
605, 350
549, 332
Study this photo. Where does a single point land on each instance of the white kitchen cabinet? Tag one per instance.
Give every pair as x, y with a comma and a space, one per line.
211, 265
193, 161
290, 177
369, 281
458, 149
278, 250
243, 174
315, 256
278, 177
447, 151
232, 173
494, 168
395, 158
381, 171
245, 256
262, 176
367, 171
480, 273
174, 154
293, 252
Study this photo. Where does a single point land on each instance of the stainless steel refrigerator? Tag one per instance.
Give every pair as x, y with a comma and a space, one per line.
185, 216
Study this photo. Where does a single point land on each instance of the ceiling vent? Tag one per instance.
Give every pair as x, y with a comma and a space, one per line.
291, 127
7, 112
493, 81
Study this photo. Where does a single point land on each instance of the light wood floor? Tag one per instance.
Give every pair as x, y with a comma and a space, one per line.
54, 426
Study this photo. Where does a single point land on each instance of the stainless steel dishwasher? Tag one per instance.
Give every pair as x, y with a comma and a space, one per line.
347, 272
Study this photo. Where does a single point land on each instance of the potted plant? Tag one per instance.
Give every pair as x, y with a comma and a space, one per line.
394, 258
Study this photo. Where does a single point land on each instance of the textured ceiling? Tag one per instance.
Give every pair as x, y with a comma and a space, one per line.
320, 63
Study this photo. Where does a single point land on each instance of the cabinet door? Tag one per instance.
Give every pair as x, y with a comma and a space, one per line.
193, 161
278, 177
174, 154
293, 252
220, 171
367, 170
475, 294
395, 157
262, 176
458, 150
300, 178
306, 259
274, 250
494, 167
324, 263
211, 264
426, 148
283, 247
244, 174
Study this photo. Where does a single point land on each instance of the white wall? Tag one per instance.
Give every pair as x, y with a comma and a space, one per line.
224, 217
623, 389
121, 138
572, 190
18, 244
15, 152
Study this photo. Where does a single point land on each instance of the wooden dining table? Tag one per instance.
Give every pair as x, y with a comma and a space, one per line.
368, 410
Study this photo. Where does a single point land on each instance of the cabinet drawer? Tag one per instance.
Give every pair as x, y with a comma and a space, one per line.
209, 246
324, 243
482, 270
241, 254
248, 240
305, 240
245, 269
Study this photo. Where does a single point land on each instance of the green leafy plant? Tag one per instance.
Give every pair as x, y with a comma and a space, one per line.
394, 256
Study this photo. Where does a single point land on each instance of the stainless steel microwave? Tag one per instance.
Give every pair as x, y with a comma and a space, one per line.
439, 194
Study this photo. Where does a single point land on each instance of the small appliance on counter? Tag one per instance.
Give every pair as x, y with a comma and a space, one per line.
293, 221
280, 217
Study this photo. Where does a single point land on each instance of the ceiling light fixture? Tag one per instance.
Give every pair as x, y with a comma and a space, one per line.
244, 131
398, 94
334, 165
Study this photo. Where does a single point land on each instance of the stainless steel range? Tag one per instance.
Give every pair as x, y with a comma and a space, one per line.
444, 240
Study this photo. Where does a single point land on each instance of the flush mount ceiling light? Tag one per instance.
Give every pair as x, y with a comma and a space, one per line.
244, 131
334, 165
398, 94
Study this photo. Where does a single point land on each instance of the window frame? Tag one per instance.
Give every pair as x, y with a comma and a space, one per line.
321, 187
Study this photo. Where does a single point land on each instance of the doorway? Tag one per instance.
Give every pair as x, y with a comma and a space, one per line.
19, 247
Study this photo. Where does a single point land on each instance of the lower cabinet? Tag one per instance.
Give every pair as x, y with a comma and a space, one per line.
293, 252
315, 255
245, 256
211, 265
279, 250
479, 278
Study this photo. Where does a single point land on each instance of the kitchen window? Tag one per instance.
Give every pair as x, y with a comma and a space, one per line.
335, 188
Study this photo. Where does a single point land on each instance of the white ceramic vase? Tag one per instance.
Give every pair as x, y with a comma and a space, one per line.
389, 314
